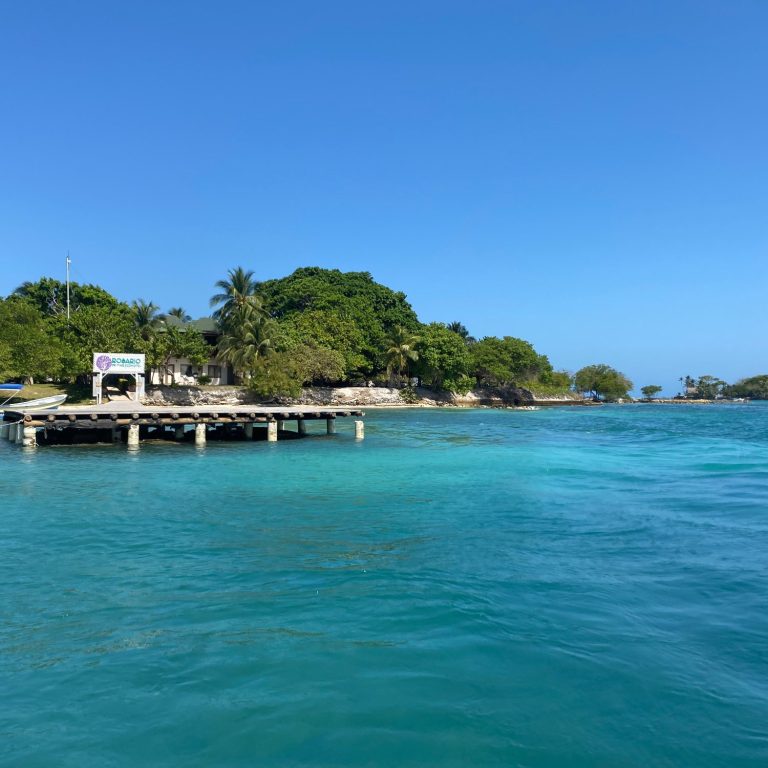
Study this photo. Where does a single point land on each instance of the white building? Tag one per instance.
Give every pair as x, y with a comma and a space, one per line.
180, 370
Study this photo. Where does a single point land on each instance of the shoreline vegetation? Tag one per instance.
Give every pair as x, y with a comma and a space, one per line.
316, 329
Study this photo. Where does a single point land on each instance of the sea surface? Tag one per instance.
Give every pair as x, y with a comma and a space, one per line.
565, 587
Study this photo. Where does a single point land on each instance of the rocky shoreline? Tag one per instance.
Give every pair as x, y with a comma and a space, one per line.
375, 397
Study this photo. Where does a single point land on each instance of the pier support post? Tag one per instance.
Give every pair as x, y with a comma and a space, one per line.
4, 430
199, 434
301, 426
248, 427
178, 432
272, 431
115, 435
29, 437
330, 426
359, 430
133, 436
19, 434
280, 426
12, 433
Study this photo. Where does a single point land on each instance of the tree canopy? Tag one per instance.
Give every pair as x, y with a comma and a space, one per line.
315, 326
445, 360
755, 387
49, 296
603, 382
501, 362
709, 387
345, 311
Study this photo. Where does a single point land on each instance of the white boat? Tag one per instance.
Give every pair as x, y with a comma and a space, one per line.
41, 404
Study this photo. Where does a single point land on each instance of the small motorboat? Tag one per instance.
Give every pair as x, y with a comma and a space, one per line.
41, 404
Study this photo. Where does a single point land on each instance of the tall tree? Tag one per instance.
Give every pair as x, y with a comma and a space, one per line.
709, 387
245, 339
95, 328
50, 296
400, 350
444, 359
350, 307
461, 329
180, 313
28, 347
500, 362
147, 318
235, 293
602, 382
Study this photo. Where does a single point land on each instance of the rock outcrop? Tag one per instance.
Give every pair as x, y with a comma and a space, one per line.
198, 396
501, 397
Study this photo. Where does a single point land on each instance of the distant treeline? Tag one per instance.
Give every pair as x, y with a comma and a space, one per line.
315, 326
712, 387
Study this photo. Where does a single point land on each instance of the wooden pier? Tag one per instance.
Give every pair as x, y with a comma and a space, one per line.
130, 423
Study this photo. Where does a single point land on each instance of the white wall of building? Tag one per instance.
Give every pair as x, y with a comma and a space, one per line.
182, 371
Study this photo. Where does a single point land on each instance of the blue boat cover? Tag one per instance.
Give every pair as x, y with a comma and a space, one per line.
11, 386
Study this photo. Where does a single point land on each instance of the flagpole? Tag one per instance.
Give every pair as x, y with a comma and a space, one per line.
69, 261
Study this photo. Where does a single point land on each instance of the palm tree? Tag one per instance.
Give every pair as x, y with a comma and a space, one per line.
235, 293
462, 331
400, 351
245, 338
147, 318
180, 313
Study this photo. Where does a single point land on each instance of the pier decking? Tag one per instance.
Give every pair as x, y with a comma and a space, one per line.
131, 422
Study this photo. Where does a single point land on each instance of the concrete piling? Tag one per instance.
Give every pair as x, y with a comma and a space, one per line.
74, 425
29, 437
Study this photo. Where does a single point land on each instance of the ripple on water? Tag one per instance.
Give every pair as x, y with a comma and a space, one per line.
572, 587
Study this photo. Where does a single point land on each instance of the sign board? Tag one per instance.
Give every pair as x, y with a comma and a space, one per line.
118, 362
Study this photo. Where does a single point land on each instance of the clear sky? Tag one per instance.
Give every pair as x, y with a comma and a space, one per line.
590, 176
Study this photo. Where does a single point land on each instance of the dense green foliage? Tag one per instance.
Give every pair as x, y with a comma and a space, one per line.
347, 312
37, 341
401, 348
506, 361
27, 348
709, 387
602, 382
315, 326
444, 359
755, 387
49, 296
650, 390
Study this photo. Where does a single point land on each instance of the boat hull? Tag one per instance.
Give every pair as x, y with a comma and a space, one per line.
42, 404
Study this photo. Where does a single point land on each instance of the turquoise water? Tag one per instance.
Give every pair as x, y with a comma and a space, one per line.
567, 587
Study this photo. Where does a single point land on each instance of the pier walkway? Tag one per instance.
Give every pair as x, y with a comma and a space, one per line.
131, 422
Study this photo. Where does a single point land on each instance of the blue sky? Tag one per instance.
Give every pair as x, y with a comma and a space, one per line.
590, 176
